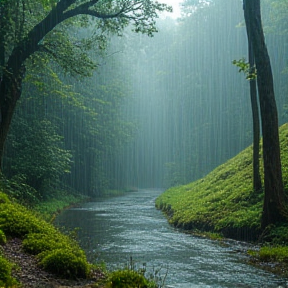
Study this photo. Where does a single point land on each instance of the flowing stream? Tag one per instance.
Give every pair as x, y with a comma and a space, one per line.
117, 229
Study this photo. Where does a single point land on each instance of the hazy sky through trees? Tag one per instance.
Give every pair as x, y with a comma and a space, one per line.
176, 4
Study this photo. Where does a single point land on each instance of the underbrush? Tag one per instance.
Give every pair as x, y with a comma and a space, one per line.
128, 279
132, 276
49, 208
6, 279
43, 240
272, 254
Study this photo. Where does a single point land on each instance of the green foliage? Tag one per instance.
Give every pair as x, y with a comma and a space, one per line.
271, 254
126, 279
250, 72
173, 176
36, 243
224, 199
36, 157
17, 188
67, 50
58, 253
49, 208
15, 220
2, 237
277, 235
131, 276
65, 262
6, 279
275, 17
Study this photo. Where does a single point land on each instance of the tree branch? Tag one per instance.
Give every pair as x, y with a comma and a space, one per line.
61, 12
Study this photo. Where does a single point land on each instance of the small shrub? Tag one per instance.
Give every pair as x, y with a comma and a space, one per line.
278, 254
36, 243
2, 237
127, 279
17, 221
65, 263
17, 188
6, 280
278, 235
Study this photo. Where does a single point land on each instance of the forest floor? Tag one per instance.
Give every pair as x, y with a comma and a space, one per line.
30, 275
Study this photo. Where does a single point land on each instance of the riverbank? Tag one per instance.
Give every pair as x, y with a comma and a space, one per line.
33, 253
31, 275
114, 228
223, 202
36, 250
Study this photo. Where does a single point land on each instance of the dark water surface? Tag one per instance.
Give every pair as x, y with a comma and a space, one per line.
115, 229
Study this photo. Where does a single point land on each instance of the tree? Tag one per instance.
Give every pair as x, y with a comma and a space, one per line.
34, 31
273, 206
257, 185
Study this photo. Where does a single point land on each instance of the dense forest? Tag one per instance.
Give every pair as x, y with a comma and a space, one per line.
157, 111
100, 97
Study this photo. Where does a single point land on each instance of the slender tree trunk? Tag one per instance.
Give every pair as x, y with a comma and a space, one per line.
257, 185
273, 185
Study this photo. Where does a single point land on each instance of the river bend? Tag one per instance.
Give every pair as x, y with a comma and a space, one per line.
117, 228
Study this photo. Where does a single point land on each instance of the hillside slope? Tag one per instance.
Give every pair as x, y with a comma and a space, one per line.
223, 201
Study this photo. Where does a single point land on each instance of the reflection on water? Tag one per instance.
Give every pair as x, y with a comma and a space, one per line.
115, 229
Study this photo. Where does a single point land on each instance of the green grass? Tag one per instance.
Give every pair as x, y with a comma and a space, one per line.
43, 240
224, 200
48, 209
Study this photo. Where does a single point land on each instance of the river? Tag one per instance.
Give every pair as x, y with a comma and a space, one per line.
117, 229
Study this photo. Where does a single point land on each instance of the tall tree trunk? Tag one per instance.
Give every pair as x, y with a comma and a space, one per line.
10, 91
273, 185
257, 185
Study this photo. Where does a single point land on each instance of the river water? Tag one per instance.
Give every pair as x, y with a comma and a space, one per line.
117, 229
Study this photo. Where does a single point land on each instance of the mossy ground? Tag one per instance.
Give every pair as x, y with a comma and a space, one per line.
224, 201
43, 240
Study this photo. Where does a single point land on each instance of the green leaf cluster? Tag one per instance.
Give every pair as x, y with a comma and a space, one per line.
250, 72
6, 279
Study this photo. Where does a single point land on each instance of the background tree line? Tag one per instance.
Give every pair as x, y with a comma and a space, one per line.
195, 95
156, 113
45, 43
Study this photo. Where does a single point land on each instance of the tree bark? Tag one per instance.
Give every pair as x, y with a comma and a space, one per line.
10, 91
257, 184
273, 207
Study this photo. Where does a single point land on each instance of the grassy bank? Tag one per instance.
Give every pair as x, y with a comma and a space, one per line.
50, 208
224, 201
55, 252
